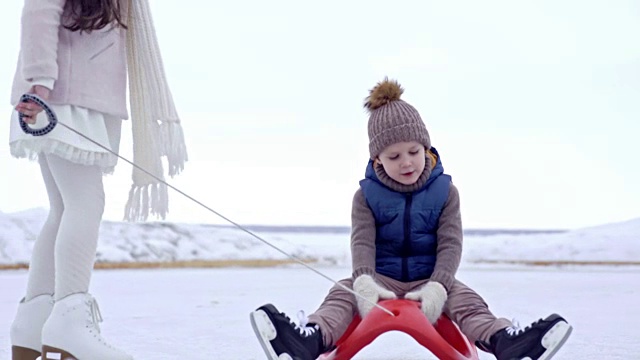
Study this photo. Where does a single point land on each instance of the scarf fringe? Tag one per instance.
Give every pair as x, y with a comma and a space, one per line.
156, 127
147, 199
173, 147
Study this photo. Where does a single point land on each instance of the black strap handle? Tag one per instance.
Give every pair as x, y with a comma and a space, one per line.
53, 119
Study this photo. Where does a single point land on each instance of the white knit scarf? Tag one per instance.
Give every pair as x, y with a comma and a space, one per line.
156, 127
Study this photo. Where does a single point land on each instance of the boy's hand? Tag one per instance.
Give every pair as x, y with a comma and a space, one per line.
370, 290
31, 110
432, 297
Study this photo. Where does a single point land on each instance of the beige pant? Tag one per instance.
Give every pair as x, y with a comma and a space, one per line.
464, 306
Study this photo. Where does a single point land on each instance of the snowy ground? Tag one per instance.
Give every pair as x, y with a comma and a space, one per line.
203, 313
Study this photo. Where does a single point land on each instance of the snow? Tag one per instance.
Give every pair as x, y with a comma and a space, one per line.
614, 243
165, 242
204, 313
167, 314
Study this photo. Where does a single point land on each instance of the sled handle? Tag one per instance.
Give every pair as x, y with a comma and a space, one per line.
53, 119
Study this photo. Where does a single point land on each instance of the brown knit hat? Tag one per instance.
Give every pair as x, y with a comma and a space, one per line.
392, 120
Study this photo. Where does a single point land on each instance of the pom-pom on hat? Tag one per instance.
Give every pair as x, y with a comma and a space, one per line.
391, 119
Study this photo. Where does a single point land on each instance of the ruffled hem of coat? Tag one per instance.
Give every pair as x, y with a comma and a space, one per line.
29, 149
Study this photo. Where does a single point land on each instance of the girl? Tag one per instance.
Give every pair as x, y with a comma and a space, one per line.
406, 241
76, 54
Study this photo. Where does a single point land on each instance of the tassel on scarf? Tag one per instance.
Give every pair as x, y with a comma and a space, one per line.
147, 199
173, 148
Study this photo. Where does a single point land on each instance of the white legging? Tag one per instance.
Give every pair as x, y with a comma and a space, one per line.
64, 253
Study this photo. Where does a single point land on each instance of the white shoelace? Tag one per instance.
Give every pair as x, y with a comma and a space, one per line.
302, 327
96, 316
515, 328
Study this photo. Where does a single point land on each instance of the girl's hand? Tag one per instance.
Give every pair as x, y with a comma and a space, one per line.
30, 110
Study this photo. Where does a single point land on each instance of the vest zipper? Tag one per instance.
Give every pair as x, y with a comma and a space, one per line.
406, 245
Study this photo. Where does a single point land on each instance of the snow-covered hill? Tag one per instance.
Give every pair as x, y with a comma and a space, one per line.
122, 242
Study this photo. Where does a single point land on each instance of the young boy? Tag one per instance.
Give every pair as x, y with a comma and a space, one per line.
406, 241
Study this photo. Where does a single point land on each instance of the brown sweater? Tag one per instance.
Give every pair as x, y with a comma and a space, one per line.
449, 233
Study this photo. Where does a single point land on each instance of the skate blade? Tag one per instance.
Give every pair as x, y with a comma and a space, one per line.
51, 353
554, 339
265, 331
22, 353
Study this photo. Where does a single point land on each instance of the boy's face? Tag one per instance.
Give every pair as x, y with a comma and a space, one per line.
404, 161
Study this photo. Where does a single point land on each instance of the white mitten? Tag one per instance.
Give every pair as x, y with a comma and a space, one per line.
370, 290
432, 296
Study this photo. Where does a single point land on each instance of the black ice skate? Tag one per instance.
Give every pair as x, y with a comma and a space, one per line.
281, 339
538, 341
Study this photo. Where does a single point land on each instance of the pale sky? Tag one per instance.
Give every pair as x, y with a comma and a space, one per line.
533, 105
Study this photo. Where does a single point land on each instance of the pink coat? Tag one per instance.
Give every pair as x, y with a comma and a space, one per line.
89, 69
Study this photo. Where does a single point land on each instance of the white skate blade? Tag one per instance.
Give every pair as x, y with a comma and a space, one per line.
554, 339
265, 331
53, 355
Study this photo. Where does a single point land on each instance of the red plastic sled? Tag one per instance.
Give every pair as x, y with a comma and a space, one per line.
444, 339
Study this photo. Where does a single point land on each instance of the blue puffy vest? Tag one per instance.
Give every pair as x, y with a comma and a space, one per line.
406, 224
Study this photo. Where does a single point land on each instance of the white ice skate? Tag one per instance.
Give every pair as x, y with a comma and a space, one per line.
72, 332
26, 329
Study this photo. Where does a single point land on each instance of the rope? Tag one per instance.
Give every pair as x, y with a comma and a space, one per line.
52, 124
